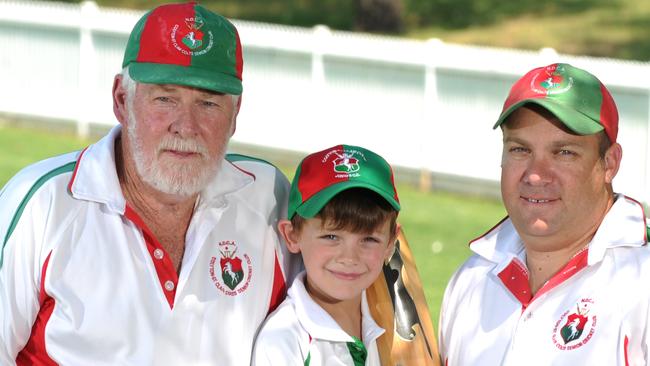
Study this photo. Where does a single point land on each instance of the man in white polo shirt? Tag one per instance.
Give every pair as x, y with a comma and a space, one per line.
563, 280
151, 246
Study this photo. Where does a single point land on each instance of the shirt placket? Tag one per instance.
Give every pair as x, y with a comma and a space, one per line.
167, 276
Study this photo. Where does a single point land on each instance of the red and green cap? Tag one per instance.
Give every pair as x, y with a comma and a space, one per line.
185, 44
576, 97
322, 175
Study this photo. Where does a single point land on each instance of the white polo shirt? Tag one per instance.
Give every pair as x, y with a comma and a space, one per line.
300, 332
595, 311
84, 282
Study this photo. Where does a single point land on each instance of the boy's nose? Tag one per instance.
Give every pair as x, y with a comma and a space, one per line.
348, 255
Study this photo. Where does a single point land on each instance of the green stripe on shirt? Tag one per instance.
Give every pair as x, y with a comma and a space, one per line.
53, 173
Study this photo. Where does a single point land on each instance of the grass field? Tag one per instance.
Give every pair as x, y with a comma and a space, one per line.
437, 225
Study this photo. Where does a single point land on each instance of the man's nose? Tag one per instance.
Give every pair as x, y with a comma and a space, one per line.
185, 123
538, 171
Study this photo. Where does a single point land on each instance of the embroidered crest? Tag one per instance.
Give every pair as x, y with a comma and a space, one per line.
575, 327
233, 270
191, 37
551, 80
346, 162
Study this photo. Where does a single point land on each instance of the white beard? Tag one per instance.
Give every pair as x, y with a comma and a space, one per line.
173, 177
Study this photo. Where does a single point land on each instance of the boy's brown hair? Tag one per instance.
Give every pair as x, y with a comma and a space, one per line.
357, 210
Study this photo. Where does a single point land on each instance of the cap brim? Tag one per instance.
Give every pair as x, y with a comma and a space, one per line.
195, 77
316, 203
572, 119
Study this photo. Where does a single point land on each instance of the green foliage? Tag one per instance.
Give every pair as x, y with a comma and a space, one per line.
607, 28
456, 14
615, 29
337, 14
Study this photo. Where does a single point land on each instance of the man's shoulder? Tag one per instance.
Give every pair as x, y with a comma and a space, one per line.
475, 265
249, 161
40, 182
36, 175
260, 169
471, 273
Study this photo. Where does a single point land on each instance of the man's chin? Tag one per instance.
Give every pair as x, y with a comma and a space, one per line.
536, 227
181, 180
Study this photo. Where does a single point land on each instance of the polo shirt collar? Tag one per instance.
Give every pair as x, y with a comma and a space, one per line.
95, 176
320, 325
624, 225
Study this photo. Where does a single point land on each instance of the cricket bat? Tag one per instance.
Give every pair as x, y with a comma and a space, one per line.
398, 305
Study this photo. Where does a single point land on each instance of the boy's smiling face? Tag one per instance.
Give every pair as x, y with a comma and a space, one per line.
340, 264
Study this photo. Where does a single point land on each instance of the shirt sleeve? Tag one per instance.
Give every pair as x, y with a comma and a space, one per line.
23, 217
275, 348
445, 322
281, 340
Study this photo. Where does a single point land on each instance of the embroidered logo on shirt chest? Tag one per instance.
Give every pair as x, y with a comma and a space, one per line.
233, 274
575, 327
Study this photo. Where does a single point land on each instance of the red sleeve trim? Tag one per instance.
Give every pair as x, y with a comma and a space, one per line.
279, 287
35, 352
625, 344
243, 171
74, 173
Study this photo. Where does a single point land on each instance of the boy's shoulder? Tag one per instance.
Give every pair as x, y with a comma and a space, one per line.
281, 339
284, 316
284, 323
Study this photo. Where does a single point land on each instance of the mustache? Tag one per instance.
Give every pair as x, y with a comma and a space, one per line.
182, 145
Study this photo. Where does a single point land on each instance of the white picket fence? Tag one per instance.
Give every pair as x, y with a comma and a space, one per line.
425, 105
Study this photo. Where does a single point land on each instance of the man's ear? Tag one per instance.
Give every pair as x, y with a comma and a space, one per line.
290, 236
613, 157
235, 114
119, 100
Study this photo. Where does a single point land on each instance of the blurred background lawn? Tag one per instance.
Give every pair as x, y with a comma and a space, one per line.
437, 225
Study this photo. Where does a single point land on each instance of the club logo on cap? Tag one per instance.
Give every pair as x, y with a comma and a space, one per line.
345, 164
551, 80
191, 37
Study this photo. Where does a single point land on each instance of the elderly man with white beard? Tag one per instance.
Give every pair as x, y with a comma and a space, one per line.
151, 246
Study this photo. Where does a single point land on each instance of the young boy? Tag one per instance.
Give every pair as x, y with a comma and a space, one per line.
343, 209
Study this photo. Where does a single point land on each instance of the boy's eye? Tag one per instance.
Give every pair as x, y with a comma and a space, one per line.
329, 237
371, 240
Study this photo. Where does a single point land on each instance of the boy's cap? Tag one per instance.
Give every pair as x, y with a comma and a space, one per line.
322, 175
576, 97
185, 44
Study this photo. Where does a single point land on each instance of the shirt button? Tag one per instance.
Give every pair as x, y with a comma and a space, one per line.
169, 285
158, 254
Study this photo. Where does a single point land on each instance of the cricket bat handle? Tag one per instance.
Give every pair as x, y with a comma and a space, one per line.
398, 305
